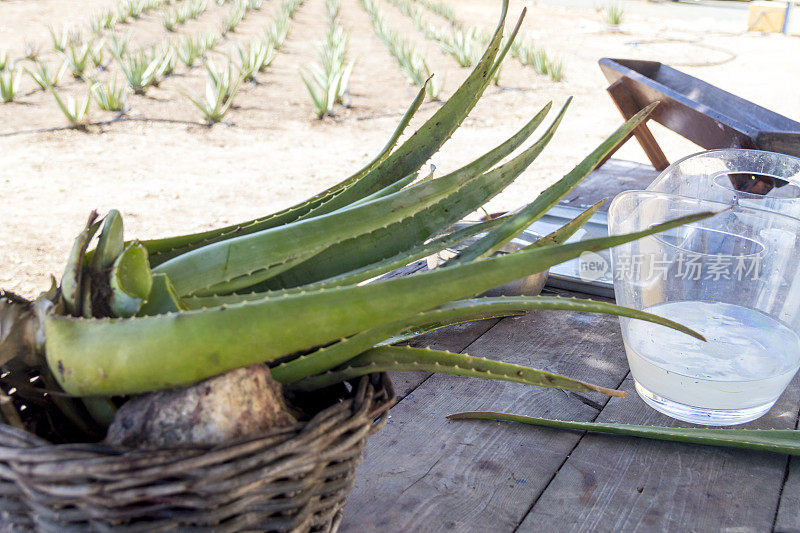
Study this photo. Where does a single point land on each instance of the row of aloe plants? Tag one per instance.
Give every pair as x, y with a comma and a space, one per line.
465, 42
222, 85
329, 78
408, 58
146, 68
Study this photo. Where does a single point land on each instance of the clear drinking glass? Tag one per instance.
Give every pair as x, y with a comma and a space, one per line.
731, 277
763, 180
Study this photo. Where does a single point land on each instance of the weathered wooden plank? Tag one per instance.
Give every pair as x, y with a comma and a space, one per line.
612, 178
624, 484
424, 473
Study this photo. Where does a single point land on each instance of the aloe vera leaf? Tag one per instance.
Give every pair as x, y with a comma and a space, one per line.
405, 358
568, 230
163, 298
763, 440
355, 276
237, 263
526, 216
510, 305
390, 189
427, 140
130, 281
163, 249
73, 274
386, 242
110, 244
86, 296
455, 312
123, 356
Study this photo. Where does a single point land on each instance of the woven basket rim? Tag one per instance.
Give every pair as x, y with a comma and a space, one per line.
286, 477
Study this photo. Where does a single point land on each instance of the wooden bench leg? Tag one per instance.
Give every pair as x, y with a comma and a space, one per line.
628, 108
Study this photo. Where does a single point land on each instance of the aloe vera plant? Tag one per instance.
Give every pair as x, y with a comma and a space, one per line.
9, 84
192, 47
32, 50
277, 32
170, 20
119, 45
111, 96
614, 12
97, 53
327, 81
234, 17
412, 63
74, 111
109, 19
122, 14
221, 88
255, 58
41, 75
130, 317
555, 69
60, 38
77, 59
140, 71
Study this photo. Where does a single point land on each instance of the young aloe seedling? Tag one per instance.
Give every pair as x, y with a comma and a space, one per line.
221, 88
32, 50
112, 96
41, 75
140, 70
77, 59
170, 20
75, 112
277, 32
119, 45
9, 84
234, 17
255, 58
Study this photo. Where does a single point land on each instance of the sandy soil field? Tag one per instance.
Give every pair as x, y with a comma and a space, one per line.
169, 174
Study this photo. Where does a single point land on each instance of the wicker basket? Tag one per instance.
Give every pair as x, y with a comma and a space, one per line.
292, 478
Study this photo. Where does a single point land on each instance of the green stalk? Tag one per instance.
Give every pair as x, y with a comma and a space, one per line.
763, 440
517, 222
452, 313
404, 358
354, 276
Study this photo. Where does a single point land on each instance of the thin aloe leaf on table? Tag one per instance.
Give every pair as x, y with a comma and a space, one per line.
764, 440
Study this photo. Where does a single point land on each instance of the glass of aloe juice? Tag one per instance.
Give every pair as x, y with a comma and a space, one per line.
734, 278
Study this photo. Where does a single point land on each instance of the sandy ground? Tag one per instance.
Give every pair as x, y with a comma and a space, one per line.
167, 174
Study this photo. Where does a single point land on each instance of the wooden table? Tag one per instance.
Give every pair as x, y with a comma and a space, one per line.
424, 473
